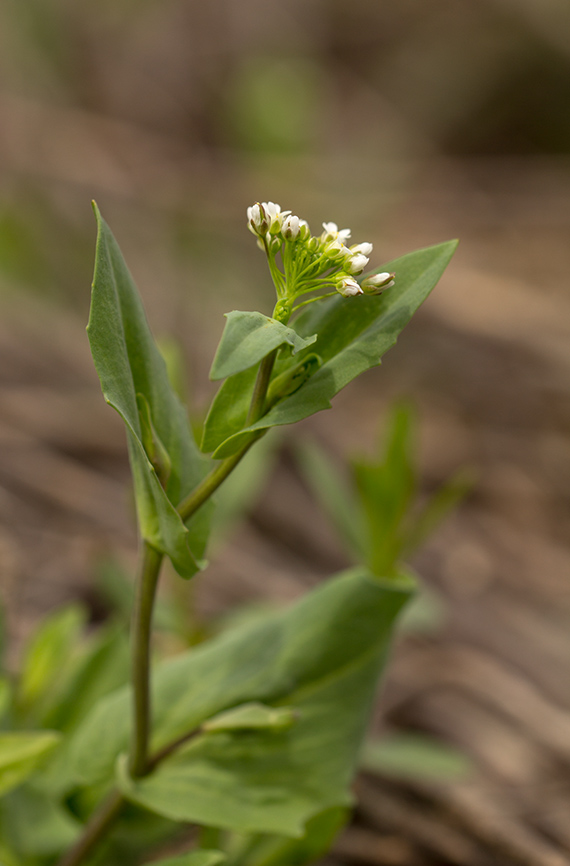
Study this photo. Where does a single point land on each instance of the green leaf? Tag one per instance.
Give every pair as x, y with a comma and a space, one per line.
426, 613
54, 829
47, 656
270, 850
444, 500
249, 337
5, 696
194, 858
21, 753
128, 363
352, 336
386, 487
321, 658
7, 857
228, 413
405, 756
252, 716
99, 668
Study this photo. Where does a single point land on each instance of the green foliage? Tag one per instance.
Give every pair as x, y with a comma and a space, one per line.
46, 658
195, 858
352, 336
129, 364
249, 337
53, 827
414, 756
310, 659
272, 850
21, 752
375, 510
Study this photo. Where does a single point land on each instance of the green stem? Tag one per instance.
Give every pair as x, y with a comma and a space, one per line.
211, 482
257, 406
97, 826
147, 580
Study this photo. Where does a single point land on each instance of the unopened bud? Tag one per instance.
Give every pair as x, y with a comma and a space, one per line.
363, 249
304, 230
291, 228
356, 264
377, 283
348, 287
257, 219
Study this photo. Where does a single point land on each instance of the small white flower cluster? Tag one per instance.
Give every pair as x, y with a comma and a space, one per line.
311, 263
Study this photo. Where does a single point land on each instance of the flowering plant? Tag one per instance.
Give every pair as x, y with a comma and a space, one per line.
254, 735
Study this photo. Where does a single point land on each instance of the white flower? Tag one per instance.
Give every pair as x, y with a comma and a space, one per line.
348, 287
356, 264
364, 249
377, 283
331, 233
291, 227
274, 215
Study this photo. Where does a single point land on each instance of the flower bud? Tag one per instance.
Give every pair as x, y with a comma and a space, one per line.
282, 311
356, 264
362, 249
376, 284
304, 230
291, 228
257, 220
348, 287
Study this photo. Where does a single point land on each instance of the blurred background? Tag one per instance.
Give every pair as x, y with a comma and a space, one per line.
412, 123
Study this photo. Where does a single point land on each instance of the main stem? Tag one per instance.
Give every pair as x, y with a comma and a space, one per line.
140, 764
146, 583
261, 385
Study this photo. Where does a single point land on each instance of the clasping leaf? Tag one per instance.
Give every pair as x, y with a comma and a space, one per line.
165, 460
250, 336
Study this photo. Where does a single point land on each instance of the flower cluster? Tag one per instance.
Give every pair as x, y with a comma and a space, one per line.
311, 263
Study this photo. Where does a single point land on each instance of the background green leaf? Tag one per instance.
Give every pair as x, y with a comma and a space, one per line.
335, 495
247, 338
271, 850
352, 336
386, 487
418, 756
194, 858
20, 754
47, 658
128, 363
35, 824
